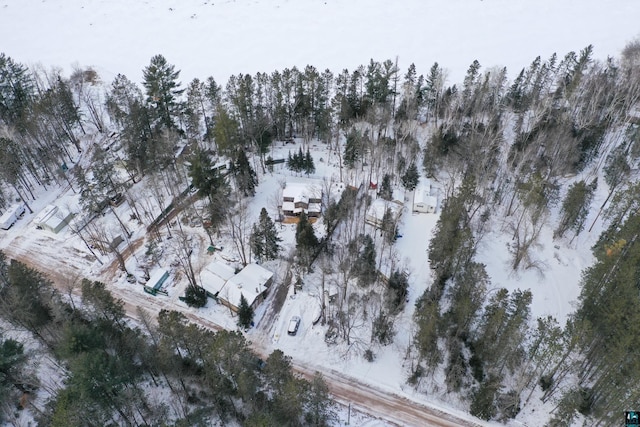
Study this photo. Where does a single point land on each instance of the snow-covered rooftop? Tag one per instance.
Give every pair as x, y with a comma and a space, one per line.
302, 190
398, 195
379, 207
214, 276
251, 281
53, 218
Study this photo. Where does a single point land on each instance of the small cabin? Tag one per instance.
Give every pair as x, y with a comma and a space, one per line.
423, 200
155, 282
252, 282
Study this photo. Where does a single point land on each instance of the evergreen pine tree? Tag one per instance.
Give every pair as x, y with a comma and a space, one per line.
299, 160
364, 267
309, 167
245, 176
161, 84
575, 208
427, 318
397, 291
245, 313
195, 296
388, 226
290, 162
385, 189
306, 240
16, 92
483, 403
256, 240
12, 361
352, 149
410, 178
226, 131
265, 242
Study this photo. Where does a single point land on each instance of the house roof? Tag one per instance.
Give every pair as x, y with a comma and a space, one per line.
398, 195
157, 276
301, 191
220, 279
250, 282
52, 217
45, 214
422, 193
379, 207
314, 207
214, 276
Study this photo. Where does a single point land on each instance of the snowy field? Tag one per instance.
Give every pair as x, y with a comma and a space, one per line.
221, 38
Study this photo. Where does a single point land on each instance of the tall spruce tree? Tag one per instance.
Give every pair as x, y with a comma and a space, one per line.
575, 208
309, 167
16, 93
265, 242
397, 289
385, 189
245, 176
12, 377
245, 313
162, 87
410, 178
364, 267
353, 148
306, 240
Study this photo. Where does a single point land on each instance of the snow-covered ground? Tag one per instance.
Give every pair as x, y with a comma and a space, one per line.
554, 290
223, 37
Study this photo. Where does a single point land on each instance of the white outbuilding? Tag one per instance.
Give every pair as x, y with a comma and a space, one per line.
423, 200
53, 218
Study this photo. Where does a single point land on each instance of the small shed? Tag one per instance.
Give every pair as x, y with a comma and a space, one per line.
158, 278
155, 282
53, 218
423, 200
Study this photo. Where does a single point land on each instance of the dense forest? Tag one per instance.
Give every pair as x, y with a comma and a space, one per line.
163, 371
517, 156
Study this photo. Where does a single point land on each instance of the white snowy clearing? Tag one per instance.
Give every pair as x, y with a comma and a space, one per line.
221, 38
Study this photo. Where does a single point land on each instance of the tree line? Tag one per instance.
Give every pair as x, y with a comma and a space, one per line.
113, 370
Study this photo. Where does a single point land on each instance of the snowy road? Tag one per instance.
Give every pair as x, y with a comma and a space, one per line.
393, 409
